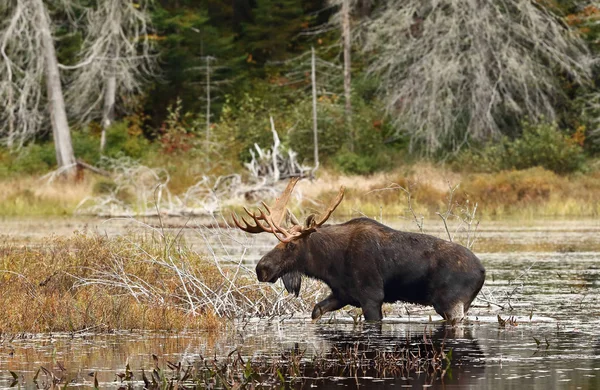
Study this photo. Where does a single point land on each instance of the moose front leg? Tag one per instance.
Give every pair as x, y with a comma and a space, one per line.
372, 311
331, 303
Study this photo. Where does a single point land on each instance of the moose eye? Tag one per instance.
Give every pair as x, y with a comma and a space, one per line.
290, 246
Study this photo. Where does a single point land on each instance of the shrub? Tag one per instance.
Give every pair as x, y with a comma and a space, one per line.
540, 145
121, 141
371, 131
245, 122
362, 164
135, 146
512, 187
86, 145
33, 159
178, 131
248, 120
349, 162
545, 146
332, 132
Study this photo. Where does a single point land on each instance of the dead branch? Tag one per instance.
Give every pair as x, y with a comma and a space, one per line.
453, 70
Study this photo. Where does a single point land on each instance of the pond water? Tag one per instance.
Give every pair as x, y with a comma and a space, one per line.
544, 273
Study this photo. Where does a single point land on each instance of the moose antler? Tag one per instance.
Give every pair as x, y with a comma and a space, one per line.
336, 202
275, 215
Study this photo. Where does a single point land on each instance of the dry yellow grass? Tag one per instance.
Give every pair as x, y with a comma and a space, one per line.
41, 289
529, 193
379, 193
425, 174
35, 196
146, 281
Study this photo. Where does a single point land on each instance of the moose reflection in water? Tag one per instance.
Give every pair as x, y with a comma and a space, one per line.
365, 355
365, 263
418, 357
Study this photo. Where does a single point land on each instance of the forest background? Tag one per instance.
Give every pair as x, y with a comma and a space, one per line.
501, 98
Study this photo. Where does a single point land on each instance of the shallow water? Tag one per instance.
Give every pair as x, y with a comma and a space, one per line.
545, 273
549, 235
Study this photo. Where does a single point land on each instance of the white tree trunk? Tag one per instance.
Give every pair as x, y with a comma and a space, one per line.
10, 141
108, 113
276, 144
313, 78
347, 63
58, 115
207, 102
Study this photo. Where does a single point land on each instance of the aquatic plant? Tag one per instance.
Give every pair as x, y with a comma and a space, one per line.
503, 322
423, 357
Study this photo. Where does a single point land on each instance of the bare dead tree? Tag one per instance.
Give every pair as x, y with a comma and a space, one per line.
269, 166
342, 19
313, 82
212, 73
208, 85
20, 75
347, 38
324, 79
29, 58
453, 70
117, 57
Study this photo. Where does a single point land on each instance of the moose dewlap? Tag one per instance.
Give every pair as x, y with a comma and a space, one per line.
366, 263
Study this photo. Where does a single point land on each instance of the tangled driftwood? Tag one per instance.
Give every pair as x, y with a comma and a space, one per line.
138, 190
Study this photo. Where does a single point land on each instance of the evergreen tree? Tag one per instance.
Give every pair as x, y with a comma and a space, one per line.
274, 29
187, 35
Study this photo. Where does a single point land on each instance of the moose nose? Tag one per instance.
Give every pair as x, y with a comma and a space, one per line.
261, 273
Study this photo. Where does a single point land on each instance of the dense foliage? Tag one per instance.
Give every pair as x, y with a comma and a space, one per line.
245, 58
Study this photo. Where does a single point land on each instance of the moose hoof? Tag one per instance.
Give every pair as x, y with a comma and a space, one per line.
456, 314
317, 312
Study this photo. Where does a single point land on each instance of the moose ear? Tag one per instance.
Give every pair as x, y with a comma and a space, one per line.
291, 218
310, 222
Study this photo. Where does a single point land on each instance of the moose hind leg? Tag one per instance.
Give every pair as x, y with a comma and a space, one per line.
331, 303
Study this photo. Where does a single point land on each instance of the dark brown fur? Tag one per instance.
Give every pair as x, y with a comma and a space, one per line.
366, 264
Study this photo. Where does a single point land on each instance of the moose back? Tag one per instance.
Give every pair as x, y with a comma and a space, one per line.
366, 263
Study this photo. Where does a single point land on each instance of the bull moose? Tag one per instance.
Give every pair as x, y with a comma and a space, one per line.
365, 263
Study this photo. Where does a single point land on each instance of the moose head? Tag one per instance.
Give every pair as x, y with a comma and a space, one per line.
288, 259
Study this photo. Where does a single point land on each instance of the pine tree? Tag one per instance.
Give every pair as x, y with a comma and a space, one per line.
188, 34
274, 29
